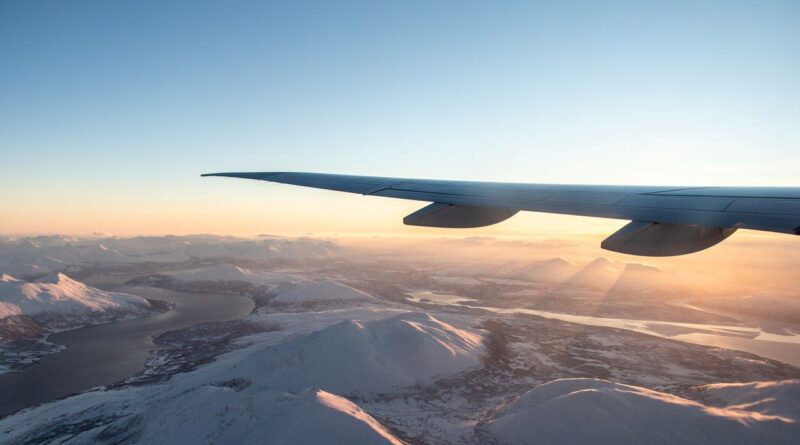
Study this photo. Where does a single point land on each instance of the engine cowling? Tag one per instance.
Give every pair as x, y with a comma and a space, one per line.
456, 216
662, 239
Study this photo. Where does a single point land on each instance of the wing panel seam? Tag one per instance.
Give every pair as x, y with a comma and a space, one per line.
675, 190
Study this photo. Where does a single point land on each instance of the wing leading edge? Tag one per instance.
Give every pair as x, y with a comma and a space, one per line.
665, 220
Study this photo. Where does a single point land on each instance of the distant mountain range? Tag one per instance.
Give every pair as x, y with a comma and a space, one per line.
599, 275
36, 256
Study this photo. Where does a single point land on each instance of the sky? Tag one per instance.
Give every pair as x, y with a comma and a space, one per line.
109, 111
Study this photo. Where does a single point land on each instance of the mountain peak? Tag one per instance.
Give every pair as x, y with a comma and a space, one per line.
639, 267
56, 278
621, 413
403, 350
57, 293
6, 278
558, 260
600, 261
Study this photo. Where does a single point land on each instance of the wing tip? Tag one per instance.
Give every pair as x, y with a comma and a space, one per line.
244, 175
221, 174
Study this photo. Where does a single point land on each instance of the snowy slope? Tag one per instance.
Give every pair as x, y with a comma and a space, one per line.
229, 272
58, 294
593, 411
642, 281
638, 280
291, 292
217, 412
781, 398
599, 274
29, 311
377, 355
230, 416
554, 270
241, 397
317, 291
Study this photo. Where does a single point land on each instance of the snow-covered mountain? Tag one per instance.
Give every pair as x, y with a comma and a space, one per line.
242, 397
290, 292
258, 249
318, 295
30, 311
229, 272
351, 356
599, 275
642, 281
229, 411
59, 295
310, 416
285, 372
554, 270
593, 411
428, 378
781, 398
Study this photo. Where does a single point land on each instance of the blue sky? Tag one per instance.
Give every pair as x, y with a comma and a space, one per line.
111, 107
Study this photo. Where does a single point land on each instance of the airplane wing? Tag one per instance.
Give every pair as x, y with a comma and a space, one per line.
665, 221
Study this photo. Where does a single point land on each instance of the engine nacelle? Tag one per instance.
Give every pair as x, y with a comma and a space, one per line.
661, 239
456, 216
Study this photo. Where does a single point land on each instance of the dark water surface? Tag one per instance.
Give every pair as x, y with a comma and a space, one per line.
104, 354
